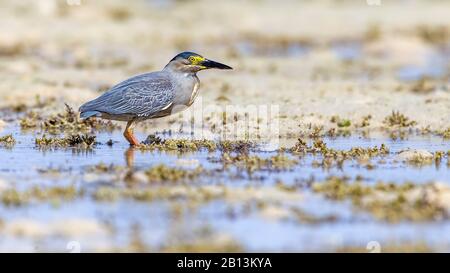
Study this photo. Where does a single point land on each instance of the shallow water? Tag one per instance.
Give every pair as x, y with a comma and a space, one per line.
435, 67
247, 48
24, 166
25, 160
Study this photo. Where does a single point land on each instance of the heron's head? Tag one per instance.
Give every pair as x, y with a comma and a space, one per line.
189, 62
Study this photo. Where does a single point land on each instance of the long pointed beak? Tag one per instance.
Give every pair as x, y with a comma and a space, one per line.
212, 64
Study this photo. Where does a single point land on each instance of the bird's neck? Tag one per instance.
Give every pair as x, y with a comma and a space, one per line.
180, 73
176, 68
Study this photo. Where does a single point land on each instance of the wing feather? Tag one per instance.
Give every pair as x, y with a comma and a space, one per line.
143, 96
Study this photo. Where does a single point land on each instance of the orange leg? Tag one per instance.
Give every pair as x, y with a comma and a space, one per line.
128, 134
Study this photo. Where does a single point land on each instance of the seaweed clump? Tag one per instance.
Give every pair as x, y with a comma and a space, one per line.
319, 146
203, 239
390, 247
255, 163
396, 119
340, 122
163, 173
12, 197
79, 141
181, 145
239, 146
161, 192
445, 133
67, 121
387, 201
7, 141
186, 145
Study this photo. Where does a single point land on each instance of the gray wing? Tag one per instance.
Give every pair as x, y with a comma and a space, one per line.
143, 96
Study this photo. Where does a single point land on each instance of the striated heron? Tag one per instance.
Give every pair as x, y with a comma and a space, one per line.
151, 95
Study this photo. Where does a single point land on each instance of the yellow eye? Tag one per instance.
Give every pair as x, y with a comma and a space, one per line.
191, 59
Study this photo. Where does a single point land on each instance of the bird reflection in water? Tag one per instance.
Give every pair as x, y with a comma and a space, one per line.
129, 158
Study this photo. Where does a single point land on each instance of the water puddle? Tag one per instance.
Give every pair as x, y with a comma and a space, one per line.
436, 67
248, 48
253, 208
347, 51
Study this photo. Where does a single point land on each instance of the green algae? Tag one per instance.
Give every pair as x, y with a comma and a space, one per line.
385, 201
365, 121
106, 194
200, 240
104, 168
435, 35
182, 145
253, 163
67, 121
445, 133
390, 247
79, 141
423, 86
396, 119
163, 173
150, 194
320, 147
12, 197
340, 122
306, 218
237, 146
7, 141
153, 143
344, 123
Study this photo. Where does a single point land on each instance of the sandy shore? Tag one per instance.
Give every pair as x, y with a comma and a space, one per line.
312, 60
